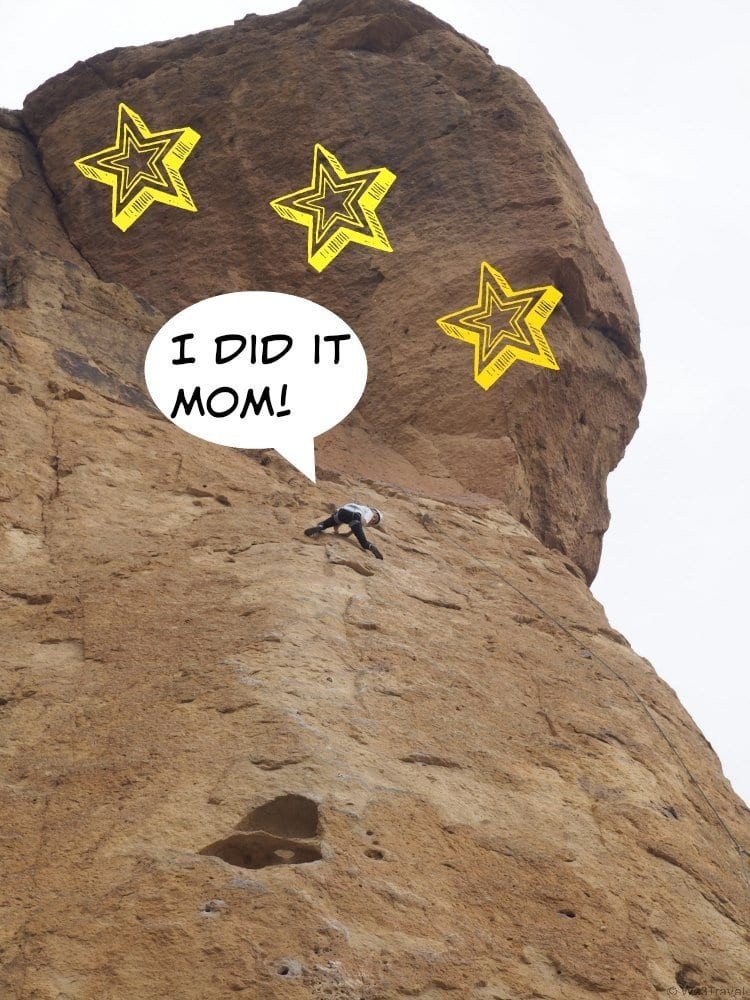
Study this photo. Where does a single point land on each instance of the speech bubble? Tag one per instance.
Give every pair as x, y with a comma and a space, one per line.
257, 370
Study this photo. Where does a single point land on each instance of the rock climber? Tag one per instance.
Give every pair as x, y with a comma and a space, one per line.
355, 515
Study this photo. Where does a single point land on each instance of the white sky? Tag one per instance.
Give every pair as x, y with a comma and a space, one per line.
652, 97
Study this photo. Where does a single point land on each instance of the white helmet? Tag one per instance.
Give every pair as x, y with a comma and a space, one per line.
379, 513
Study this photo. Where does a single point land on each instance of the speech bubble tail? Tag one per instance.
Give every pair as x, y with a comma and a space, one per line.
301, 454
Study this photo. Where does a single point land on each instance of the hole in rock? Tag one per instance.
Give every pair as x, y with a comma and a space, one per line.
566, 913
261, 850
289, 967
687, 979
285, 816
373, 852
668, 811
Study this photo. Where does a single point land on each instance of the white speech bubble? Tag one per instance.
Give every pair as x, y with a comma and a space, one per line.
257, 370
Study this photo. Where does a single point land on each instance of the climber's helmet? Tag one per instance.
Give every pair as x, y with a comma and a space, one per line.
378, 515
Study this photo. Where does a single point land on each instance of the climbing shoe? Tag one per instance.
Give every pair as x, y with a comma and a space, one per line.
375, 552
312, 531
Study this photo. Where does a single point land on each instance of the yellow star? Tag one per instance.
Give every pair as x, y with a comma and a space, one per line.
142, 167
517, 338
351, 220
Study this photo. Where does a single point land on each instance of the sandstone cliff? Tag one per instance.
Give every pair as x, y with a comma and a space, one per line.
482, 174
238, 761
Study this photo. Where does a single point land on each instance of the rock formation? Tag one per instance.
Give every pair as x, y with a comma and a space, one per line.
238, 761
380, 83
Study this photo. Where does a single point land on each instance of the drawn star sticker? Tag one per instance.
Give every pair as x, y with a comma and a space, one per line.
142, 167
338, 208
504, 326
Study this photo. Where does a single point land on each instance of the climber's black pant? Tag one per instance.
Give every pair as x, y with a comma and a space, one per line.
352, 519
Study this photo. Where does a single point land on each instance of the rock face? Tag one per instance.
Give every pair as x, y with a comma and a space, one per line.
482, 174
241, 761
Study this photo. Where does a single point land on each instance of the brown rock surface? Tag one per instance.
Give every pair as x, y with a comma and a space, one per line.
482, 174
237, 761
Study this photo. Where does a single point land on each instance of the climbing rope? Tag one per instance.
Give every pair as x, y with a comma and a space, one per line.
623, 680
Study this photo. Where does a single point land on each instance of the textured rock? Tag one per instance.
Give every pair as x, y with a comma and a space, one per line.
240, 761
483, 174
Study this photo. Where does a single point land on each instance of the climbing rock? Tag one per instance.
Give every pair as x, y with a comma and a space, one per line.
482, 174
343, 557
443, 792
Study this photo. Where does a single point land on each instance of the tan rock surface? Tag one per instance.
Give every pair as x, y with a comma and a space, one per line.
482, 174
237, 761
